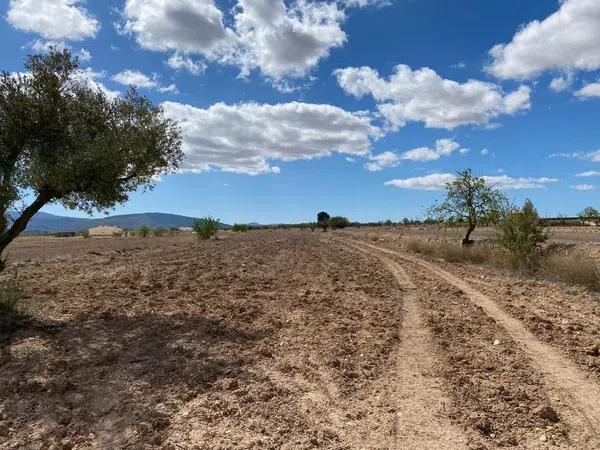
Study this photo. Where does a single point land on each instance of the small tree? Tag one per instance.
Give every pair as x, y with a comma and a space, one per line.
63, 140
206, 227
589, 214
144, 231
338, 222
520, 234
471, 201
312, 226
323, 217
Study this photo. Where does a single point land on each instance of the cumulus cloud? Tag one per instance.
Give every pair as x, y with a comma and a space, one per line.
443, 147
567, 40
589, 173
562, 83
44, 46
140, 80
53, 19
438, 181
423, 96
278, 39
590, 90
245, 137
583, 187
178, 62
381, 161
94, 79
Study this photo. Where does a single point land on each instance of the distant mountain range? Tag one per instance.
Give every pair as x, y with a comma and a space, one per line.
49, 223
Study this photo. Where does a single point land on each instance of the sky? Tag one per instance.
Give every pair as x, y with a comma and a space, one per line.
362, 108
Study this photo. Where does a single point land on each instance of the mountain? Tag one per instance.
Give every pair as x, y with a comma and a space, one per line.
49, 223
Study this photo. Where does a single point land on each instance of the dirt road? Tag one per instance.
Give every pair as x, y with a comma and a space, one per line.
276, 339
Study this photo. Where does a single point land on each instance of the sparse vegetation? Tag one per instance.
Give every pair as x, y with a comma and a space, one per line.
206, 228
85, 234
520, 235
589, 214
572, 269
11, 295
240, 227
159, 231
144, 231
478, 254
470, 201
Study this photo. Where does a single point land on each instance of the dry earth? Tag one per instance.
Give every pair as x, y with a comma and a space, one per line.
290, 339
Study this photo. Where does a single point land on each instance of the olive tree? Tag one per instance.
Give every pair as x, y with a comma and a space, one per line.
63, 140
470, 201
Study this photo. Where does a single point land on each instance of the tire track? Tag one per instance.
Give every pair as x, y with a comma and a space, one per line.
580, 395
411, 385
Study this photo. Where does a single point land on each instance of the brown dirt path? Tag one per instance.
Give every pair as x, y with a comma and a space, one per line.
581, 396
416, 390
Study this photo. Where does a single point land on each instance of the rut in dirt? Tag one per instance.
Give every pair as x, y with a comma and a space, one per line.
420, 400
580, 393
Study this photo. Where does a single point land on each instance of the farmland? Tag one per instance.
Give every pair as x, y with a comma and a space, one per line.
294, 339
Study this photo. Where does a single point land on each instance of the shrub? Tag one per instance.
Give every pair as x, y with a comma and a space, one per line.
324, 225
338, 222
478, 254
206, 227
11, 294
520, 234
159, 231
85, 234
240, 227
312, 226
143, 231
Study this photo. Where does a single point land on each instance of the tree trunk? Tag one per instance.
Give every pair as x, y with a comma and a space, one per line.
21, 223
467, 240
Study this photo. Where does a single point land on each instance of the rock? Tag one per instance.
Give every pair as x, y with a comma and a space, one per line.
543, 438
594, 350
497, 342
546, 412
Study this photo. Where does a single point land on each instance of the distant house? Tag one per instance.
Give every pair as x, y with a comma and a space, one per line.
105, 231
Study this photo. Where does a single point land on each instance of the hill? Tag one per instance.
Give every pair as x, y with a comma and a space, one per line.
49, 223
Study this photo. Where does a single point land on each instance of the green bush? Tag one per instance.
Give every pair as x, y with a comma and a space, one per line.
520, 234
143, 231
240, 227
85, 234
206, 227
338, 222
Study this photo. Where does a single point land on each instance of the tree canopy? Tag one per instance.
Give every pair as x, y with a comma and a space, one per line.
471, 201
64, 140
590, 214
323, 217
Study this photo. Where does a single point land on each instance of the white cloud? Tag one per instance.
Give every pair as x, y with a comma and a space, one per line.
53, 19
583, 187
423, 96
178, 62
433, 182
443, 147
278, 39
592, 156
93, 78
43, 46
245, 137
485, 152
506, 182
438, 181
464, 151
589, 90
562, 83
142, 81
363, 3
589, 173
381, 161
567, 40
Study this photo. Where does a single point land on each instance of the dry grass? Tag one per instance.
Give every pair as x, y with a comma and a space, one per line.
570, 269
11, 294
478, 254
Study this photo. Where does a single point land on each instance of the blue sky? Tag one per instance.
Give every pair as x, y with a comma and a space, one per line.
363, 108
